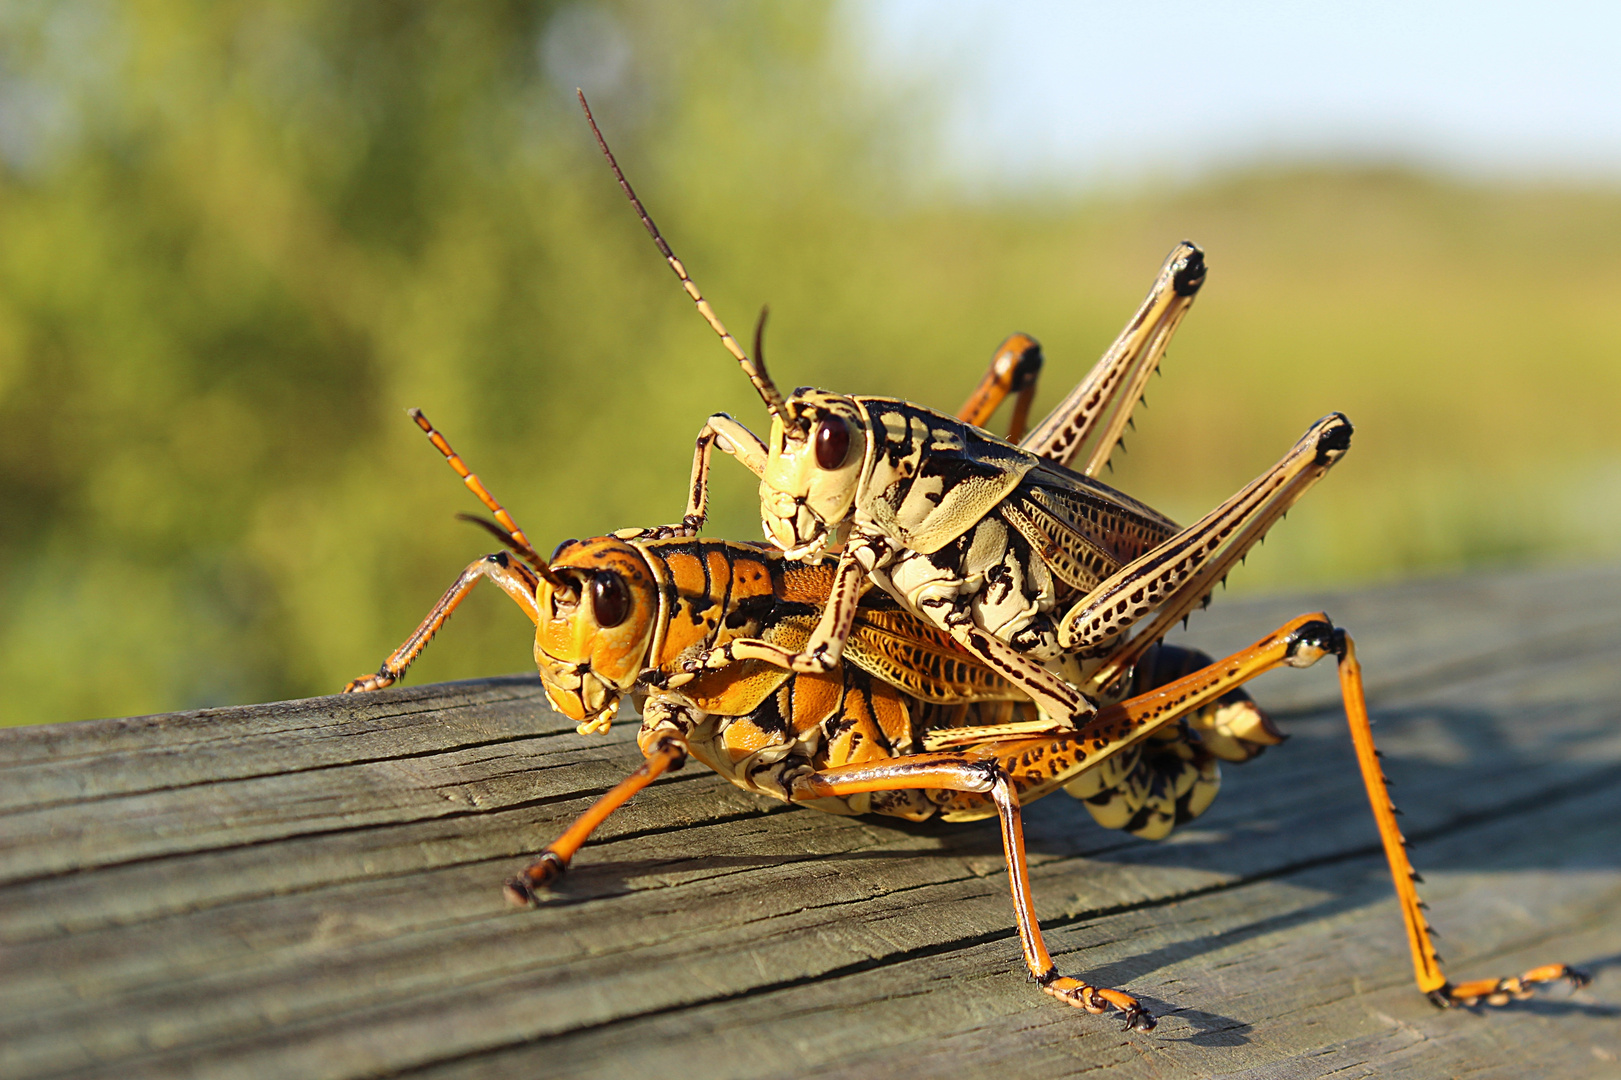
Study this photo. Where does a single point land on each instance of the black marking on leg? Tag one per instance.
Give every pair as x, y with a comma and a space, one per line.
1316, 634
1027, 367
990, 770
1190, 275
1336, 440
679, 760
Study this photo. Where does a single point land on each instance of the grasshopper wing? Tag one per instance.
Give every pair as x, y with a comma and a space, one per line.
1084, 530
921, 660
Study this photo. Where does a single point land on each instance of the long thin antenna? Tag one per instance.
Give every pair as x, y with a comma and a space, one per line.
519, 541
759, 334
754, 369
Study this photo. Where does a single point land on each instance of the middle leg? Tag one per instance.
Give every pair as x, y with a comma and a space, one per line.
977, 773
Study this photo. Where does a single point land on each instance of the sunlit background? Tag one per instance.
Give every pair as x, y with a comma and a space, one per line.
238, 240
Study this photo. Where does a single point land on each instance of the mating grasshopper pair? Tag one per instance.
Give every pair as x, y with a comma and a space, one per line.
993, 662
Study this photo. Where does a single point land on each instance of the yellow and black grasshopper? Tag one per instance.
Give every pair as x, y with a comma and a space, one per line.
1037, 570
908, 724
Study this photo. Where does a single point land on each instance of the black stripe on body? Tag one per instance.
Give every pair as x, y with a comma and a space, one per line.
700, 617
768, 715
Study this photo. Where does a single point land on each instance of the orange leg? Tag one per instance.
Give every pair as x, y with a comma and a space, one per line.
1302, 643
1014, 370
1299, 643
1426, 965
975, 772
514, 578
666, 755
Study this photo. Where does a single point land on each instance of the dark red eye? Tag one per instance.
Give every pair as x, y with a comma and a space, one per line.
610, 599
832, 444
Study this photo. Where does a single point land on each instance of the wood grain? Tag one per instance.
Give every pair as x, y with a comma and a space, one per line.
312, 888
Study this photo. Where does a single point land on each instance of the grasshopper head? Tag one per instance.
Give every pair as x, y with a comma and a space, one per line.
593, 639
818, 445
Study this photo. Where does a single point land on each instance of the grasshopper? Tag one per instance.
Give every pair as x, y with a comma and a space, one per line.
616, 616
907, 724
1037, 570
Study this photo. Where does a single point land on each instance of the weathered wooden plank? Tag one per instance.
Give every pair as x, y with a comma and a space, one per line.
331, 908
420, 776
57, 763
1226, 965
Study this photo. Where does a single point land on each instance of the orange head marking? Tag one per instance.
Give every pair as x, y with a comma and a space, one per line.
594, 637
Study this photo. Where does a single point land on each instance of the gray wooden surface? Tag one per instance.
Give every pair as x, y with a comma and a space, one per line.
311, 889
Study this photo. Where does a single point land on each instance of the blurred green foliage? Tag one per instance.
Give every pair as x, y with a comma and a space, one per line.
237, 240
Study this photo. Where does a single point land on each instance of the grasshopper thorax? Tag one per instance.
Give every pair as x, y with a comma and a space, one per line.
817, 454
593, 638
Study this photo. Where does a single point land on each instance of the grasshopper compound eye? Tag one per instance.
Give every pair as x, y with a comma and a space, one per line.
832, 444
610, 599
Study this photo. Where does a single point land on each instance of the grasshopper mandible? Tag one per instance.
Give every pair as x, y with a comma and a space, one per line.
1029, 566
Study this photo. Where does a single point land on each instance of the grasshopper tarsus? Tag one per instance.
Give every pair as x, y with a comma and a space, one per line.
1139, 1020
521, 890
379, 680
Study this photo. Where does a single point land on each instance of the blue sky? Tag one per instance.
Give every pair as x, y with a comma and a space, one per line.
1043, 93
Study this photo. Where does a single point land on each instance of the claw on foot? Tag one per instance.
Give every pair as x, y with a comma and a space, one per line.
1137, 1018
520, 891
1095, 999
376, 681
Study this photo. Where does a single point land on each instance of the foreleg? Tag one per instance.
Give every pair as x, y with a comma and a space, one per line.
976, 773
731, 438
514, 578
666, 754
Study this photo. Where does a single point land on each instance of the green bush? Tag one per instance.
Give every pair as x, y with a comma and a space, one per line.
237, 240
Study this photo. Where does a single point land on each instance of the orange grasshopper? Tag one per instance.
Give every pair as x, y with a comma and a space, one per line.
909, 724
